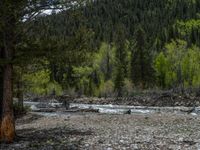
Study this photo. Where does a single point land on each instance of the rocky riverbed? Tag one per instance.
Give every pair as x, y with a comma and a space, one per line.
94, 131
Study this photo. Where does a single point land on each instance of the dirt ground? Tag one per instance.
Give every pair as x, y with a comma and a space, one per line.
93, 131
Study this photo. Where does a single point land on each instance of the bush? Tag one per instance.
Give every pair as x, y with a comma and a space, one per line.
106, 89
18, 110
71, 92
127, 88
179, 66
39, 83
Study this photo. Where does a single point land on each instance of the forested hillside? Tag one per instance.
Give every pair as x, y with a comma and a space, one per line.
109, 48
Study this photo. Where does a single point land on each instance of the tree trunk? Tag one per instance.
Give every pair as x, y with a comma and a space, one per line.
7, 124
8, 49
20, 99
1, 99
20, 91
1, 90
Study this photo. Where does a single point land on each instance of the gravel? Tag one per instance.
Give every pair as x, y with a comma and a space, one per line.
93, 131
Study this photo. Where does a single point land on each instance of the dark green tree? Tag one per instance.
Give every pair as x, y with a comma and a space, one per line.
141, 70
121, 59
12, 17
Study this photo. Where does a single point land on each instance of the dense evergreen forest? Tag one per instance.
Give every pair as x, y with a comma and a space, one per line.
110, 48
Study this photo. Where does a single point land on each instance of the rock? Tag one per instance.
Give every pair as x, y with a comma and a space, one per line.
193, 114
121, 141
134, 146
100, 141
54, 101
128, 112
55, 105
34, 108
87, 145
72, 147
18, 145
197, 109
42, 105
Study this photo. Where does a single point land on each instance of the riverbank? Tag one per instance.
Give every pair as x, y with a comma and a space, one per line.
74, 131
158, 99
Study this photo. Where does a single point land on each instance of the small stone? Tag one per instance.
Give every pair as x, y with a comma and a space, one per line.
17, 145
134, 146
180, 139
193, 114
121, 141
72, 147
100, 141
34, 108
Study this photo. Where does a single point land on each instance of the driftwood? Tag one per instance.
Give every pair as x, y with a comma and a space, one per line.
82, 110
45, 110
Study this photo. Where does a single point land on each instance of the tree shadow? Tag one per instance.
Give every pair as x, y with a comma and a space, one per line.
29, 118
61, 138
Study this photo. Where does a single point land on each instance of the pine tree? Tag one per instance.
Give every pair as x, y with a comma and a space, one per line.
121, 57
141, 70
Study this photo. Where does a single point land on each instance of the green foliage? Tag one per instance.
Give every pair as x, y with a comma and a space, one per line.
121, 56
39, 83
178, 66
189, 30
141, 60
104, 60
18, 110
83, 85
106, 89
191, 67
160, 66
128, 87
101, 45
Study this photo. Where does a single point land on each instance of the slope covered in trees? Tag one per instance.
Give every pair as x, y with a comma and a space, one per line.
137, 31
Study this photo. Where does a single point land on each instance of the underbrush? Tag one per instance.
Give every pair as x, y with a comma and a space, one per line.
20, 110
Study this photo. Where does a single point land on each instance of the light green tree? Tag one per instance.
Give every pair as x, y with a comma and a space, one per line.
178, 66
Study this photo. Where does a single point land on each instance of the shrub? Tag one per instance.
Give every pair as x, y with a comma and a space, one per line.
128, 87
18, 110
106, 89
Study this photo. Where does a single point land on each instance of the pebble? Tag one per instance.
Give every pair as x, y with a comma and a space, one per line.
121, 141
134, 146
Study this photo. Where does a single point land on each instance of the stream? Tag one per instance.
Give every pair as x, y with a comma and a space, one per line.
54, 109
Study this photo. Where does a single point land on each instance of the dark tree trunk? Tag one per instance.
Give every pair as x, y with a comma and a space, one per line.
20, 91
1, 91
8, 49
1, 98
108, 70
20, 96
8, 124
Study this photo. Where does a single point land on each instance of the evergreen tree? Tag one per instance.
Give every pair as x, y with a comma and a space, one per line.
121, 59
141, 71
12, 14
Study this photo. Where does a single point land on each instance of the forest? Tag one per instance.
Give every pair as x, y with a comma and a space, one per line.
95, 48
110, 48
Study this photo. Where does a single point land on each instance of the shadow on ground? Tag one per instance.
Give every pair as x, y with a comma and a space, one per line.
51, 139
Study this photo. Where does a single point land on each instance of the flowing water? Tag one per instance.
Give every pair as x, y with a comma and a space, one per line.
109, 109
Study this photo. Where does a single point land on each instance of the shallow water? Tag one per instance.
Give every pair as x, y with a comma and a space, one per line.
113, 109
